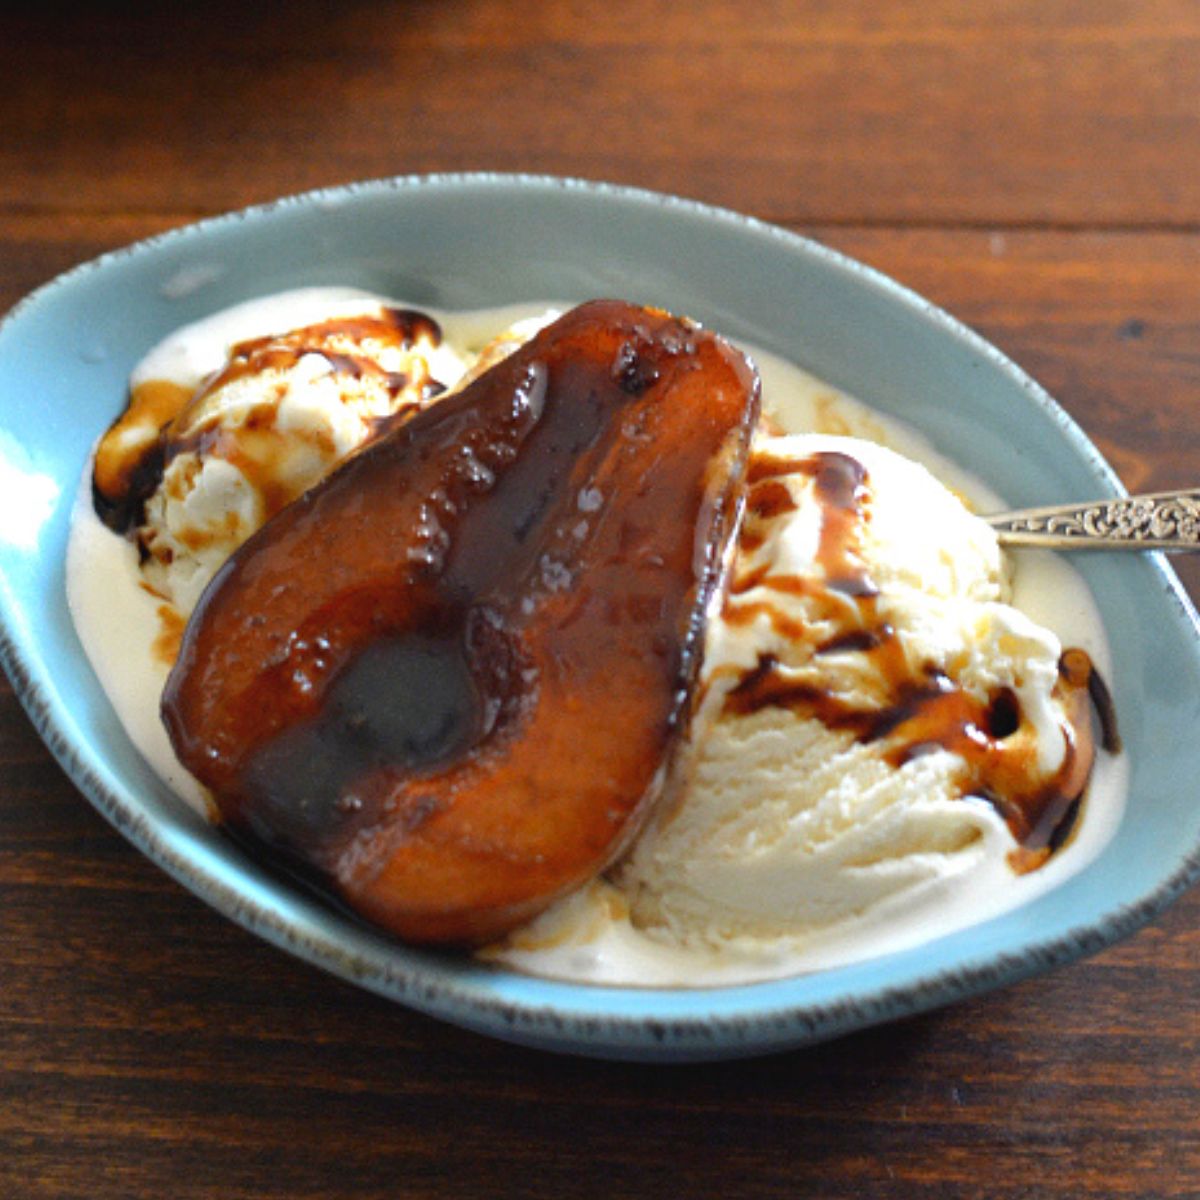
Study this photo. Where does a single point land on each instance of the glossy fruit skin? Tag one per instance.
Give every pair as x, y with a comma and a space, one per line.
451, 677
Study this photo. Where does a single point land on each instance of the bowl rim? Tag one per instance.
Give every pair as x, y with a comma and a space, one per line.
460, 995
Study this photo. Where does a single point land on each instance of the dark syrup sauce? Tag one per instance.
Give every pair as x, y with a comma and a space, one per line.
922, 710
169, 418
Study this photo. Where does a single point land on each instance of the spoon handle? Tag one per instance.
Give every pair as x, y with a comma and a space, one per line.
1162, 521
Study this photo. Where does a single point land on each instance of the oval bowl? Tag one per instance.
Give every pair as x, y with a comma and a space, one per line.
474, 240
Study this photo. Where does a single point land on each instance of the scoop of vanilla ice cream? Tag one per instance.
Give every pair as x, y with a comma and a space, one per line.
282, 411
862, 589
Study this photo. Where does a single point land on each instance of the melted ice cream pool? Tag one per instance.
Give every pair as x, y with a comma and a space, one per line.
589, 936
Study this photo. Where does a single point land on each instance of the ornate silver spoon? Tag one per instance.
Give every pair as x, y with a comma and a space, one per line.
1162, 521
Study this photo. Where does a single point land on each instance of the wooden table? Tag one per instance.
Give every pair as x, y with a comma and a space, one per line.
1035, 168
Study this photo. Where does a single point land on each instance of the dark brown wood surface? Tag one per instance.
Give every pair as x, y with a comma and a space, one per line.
1033, 167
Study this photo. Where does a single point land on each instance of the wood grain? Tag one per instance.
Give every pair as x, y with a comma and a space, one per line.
1065, 113
1034, 168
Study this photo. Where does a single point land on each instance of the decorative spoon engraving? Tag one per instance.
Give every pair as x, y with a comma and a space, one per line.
1162, 521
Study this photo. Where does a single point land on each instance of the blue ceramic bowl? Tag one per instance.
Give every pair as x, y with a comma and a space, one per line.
468, 241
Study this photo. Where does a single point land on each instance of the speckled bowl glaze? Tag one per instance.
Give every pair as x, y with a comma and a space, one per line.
473, 240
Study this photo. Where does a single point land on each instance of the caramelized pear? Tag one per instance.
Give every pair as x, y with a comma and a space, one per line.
450, 678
